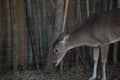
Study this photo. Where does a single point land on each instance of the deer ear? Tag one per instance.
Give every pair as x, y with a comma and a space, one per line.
66, 37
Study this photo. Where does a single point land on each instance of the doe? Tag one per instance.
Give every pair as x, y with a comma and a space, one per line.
97, 32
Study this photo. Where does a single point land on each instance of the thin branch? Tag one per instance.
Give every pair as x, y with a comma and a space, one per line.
65, 15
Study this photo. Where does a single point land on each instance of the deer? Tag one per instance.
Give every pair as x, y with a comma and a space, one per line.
98, 31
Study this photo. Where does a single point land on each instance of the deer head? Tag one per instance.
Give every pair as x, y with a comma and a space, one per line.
60, 48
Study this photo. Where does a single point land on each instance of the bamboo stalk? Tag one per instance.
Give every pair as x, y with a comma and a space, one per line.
9, 31
79, 16
88, 7
115, 47
118, 1
79, 20
114, 4
45, 40
15, 36
30, 56
105, 5
88, 14
115, 53
40, 30
110, 4
94, 6
65, 15
30, 49
30, 31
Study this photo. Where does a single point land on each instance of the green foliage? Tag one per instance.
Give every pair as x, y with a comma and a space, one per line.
22, 66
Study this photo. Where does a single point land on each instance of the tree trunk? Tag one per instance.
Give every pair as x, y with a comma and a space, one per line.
56, 32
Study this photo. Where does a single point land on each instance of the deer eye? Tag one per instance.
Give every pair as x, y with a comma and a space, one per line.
56, 51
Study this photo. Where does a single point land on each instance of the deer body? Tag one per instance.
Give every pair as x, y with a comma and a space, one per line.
98, 31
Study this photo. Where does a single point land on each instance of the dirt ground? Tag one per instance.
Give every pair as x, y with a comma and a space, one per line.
75, 73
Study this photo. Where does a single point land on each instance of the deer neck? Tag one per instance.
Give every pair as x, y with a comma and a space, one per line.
75, 40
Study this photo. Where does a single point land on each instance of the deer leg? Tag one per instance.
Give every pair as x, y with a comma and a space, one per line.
104, 54
95, 58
